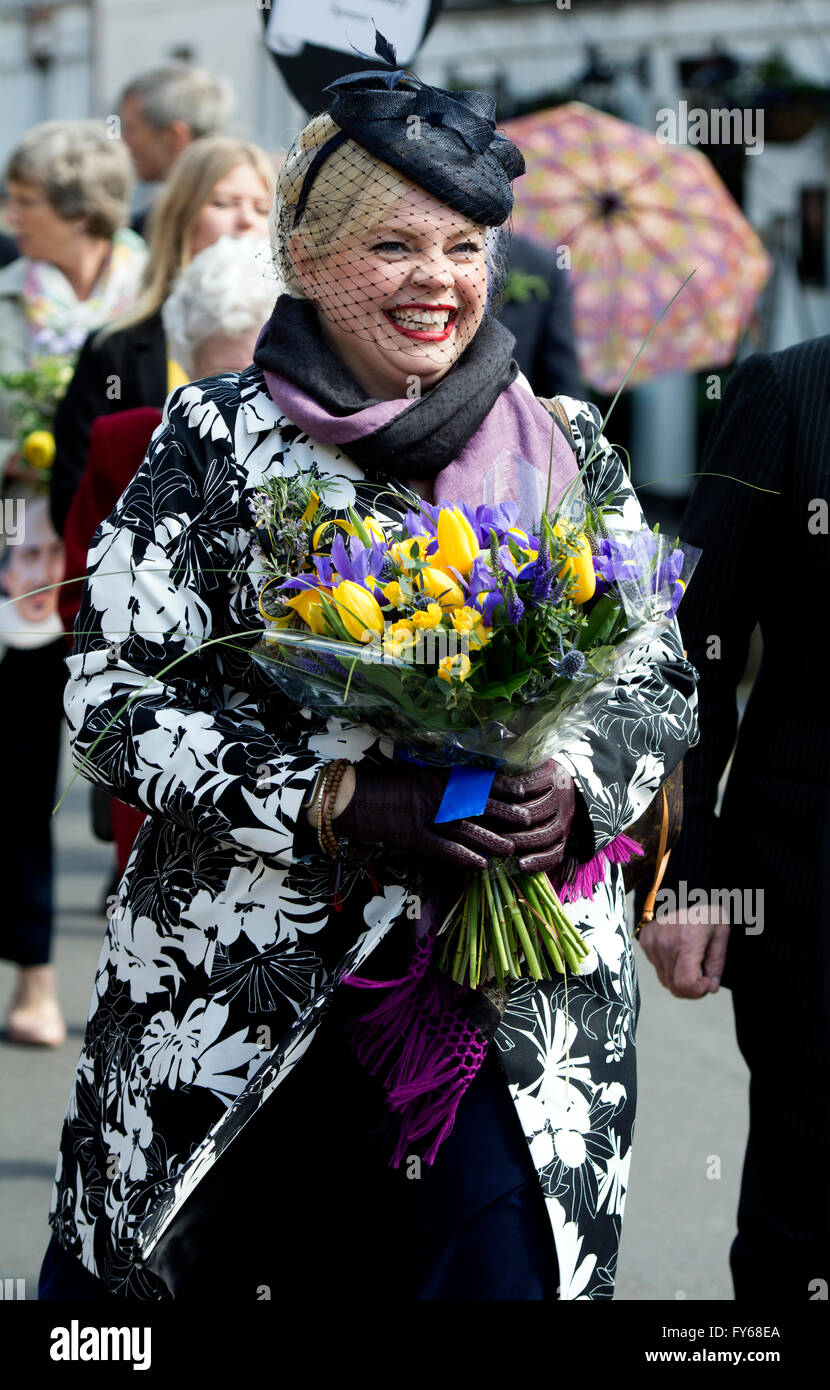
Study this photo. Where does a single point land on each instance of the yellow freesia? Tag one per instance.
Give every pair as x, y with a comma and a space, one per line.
466, 619
457, 542
438, 584
428, 617
393, 593
359, 611
454, 668
399, 638
402, 550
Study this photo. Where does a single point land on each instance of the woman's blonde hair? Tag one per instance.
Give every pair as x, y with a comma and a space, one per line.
172, 220
352, 189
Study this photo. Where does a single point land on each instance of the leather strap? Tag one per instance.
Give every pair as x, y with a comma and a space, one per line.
560, 415
647, 914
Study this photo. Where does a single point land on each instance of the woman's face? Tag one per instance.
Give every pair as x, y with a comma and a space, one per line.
400, 302
38, 230
36, 563
238, 206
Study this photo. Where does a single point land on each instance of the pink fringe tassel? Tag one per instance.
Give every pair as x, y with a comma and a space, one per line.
589, 876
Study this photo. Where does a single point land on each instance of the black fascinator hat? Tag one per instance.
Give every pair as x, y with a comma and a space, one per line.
445, 142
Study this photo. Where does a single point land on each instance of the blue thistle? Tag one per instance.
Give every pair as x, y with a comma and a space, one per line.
571, 665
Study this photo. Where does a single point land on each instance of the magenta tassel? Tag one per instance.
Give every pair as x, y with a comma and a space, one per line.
589, 876
428, 1053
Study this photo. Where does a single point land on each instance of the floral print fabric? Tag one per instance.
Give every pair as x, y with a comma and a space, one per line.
224, 946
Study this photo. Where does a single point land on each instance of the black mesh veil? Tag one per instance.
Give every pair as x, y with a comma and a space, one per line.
392, 217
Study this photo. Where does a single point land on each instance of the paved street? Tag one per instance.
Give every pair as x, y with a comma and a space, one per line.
691, 1121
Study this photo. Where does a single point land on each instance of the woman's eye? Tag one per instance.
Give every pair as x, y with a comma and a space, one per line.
389, 246
467, 246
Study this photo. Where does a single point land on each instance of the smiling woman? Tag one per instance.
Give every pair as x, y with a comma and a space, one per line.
400, 280
228, 1143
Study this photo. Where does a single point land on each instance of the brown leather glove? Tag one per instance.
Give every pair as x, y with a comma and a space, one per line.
536, 810
397, 806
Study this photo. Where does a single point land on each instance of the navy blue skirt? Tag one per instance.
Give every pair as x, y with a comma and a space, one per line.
304, 1198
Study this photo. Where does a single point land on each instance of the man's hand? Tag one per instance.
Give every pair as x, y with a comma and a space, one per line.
688, 950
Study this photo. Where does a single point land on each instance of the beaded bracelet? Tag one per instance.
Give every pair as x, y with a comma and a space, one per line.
326, 837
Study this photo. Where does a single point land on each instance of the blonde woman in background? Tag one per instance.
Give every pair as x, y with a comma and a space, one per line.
68, 198
218, 187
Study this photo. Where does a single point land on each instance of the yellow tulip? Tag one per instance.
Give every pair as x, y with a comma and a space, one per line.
374, 527
454, 668
457, 542
39, 449
579, 566
304, 603
359, 611
442, 586
428, 617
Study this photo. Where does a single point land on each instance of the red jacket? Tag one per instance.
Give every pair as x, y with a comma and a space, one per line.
117, 445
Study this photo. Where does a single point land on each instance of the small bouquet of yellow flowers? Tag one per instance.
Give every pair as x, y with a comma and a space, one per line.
37, 391
473, 644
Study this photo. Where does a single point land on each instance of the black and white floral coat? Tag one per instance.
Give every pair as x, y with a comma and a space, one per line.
223, 949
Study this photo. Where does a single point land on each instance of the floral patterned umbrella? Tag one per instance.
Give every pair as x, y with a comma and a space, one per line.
636, 216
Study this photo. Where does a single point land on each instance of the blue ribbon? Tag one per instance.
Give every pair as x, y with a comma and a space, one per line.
466, 793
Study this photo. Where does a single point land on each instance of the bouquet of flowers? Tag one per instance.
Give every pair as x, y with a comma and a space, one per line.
38, 389
474, 644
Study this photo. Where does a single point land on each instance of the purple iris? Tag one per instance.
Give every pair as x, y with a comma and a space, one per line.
481, 584
414, 525
486, 519
636, 558
359, 561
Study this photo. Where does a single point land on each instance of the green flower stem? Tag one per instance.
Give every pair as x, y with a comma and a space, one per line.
482, 954
472, 905
548, 934
500, 961
518, 922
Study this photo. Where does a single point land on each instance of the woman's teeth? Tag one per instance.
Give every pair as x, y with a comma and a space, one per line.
427, 318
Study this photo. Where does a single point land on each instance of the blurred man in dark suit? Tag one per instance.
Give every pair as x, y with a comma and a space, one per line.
747, 890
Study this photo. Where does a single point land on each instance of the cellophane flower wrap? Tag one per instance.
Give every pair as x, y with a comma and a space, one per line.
467, 640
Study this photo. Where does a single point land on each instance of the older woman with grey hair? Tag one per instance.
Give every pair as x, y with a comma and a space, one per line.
218, 305
68, 186
68, 189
